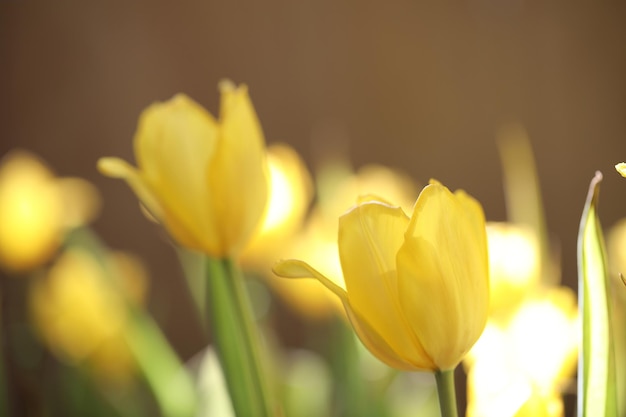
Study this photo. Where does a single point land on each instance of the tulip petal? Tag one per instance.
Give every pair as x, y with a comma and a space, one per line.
174, 144
443, 273
368, 198
293, 268
238, 172
369, 337
369, 238
377, 345
117, 168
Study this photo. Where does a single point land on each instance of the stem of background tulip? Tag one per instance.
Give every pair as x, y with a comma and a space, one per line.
353, 394
236, 339
170, 382
446, 392
194, 269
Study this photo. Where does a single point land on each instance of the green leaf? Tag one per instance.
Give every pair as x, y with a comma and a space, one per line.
170, 382
596, 367
523, 194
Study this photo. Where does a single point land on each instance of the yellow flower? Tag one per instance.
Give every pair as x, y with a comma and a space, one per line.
514, 266
510, 395
290, 192
525, 363
417, 289
36, 208
204, 179
621, 168
79, 310
338, 187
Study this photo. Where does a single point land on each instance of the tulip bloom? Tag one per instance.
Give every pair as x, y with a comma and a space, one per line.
36, 210
417, 289
519, 368
203, 179
82, 317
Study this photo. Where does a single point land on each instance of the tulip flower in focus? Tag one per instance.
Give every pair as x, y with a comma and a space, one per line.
521, 368
338, 187
416, 289
36, 209
79, 310
204, 179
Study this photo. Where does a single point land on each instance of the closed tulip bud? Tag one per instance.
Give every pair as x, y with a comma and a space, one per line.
203, 178
416, 289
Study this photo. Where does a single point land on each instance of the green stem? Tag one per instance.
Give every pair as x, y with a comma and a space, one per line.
170, 382
193, 268
447, 393
236, 339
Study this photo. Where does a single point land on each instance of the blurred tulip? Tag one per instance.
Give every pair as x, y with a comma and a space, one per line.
80, 311
290, 193
514, 266
339, 187
204, 179
36, 208
621, 168
525, 364
417, 289
510, 396
309, 297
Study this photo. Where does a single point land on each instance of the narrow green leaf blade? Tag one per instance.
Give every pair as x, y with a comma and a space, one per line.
522, 191
596, 368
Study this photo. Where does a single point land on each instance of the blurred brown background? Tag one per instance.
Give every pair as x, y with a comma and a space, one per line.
419, 88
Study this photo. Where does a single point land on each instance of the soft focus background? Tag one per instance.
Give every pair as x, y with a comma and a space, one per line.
421, 89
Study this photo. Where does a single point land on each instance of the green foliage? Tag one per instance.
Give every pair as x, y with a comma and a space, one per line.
596, 373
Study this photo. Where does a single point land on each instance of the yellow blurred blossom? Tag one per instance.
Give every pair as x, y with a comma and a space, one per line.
416, 289
514, 266
80, 312
36, 208
524, 365
290, 193
204, 179
621, 168
339, 187
509, 396
309, 297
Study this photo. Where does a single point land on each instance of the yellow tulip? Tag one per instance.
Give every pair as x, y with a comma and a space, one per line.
338, 186
525, 363
417, 289
508, 394
514, 266
79, 310
36, 208
204, 179
290, 192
